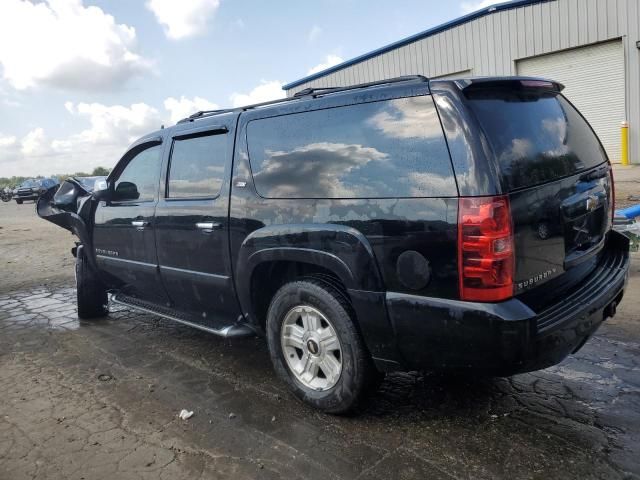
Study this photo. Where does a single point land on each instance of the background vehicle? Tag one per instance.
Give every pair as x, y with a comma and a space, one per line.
32, 189
6, 194
386, 226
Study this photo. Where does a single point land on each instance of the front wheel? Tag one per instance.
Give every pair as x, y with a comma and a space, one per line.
91, 294
315, 346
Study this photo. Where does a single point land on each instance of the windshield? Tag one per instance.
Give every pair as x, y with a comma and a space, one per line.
536, 138
28, 184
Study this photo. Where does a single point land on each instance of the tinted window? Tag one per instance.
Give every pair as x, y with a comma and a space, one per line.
197, 166
139, 179
536, 139
393, 148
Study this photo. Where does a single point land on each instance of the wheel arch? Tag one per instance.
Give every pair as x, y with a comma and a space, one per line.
336, 251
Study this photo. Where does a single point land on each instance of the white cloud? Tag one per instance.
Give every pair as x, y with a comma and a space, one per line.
7, 141
184, 18
264, 92
116, 124
314, 33
34, 143
468, 7
184, 107
333, 162
407, 118
24, 156
64, 44
110, 129
329, 62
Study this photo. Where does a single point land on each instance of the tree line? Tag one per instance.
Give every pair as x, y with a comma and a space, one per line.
14, 181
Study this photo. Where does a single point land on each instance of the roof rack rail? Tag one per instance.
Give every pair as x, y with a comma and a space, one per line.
313, 91
307, 92
207, 112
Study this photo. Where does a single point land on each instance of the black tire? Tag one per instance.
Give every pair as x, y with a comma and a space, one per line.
358, 372
19, 202
91, 294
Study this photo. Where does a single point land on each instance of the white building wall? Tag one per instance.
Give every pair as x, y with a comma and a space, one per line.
492, 44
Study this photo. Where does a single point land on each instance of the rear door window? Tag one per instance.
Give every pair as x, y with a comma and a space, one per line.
536, 138
392, 148
197, 166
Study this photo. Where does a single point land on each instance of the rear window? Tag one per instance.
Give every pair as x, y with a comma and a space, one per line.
392, 148
536, 138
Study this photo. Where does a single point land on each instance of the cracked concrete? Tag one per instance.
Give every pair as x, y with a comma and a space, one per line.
100, 399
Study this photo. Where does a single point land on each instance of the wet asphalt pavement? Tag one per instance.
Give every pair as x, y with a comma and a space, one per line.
100, 399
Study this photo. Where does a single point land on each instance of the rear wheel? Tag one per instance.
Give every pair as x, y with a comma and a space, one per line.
91, 294
315, 347
19, 202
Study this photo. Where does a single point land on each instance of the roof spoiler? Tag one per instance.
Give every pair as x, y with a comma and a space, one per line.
511, 83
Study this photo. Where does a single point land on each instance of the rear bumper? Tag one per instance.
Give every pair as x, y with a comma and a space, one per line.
508, 337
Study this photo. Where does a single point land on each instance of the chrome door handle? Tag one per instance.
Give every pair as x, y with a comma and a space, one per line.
207, 225
139, 223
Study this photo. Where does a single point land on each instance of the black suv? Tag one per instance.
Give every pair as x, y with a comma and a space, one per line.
403, 224
32, 189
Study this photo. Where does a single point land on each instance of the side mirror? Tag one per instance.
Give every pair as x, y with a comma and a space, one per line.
126, 191
101, 190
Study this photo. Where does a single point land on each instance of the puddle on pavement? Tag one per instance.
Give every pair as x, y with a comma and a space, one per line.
41, 307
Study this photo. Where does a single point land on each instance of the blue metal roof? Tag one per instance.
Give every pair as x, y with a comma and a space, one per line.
418, 36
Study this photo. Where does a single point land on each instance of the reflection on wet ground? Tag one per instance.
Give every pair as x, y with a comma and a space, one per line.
100, 399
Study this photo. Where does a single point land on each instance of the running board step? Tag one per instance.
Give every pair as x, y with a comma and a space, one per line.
229, 331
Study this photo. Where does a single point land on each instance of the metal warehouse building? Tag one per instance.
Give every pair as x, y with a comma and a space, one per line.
591, 46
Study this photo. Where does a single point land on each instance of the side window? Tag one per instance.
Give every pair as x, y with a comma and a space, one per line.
139, 179
197, 166
391, 148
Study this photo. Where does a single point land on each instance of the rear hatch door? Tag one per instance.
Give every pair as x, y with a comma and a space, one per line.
558, 179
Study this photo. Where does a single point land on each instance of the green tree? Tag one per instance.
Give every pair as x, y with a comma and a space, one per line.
11, 181
100, 171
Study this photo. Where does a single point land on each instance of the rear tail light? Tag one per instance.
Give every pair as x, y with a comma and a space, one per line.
485, 249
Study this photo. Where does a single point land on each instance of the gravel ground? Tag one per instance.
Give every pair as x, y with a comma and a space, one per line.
32, 251
100, 399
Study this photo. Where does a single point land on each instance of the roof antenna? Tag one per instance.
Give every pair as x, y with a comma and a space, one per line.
161, 127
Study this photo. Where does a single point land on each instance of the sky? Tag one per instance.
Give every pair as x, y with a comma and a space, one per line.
82, 79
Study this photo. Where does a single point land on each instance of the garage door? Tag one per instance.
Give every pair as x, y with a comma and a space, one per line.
594, 81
